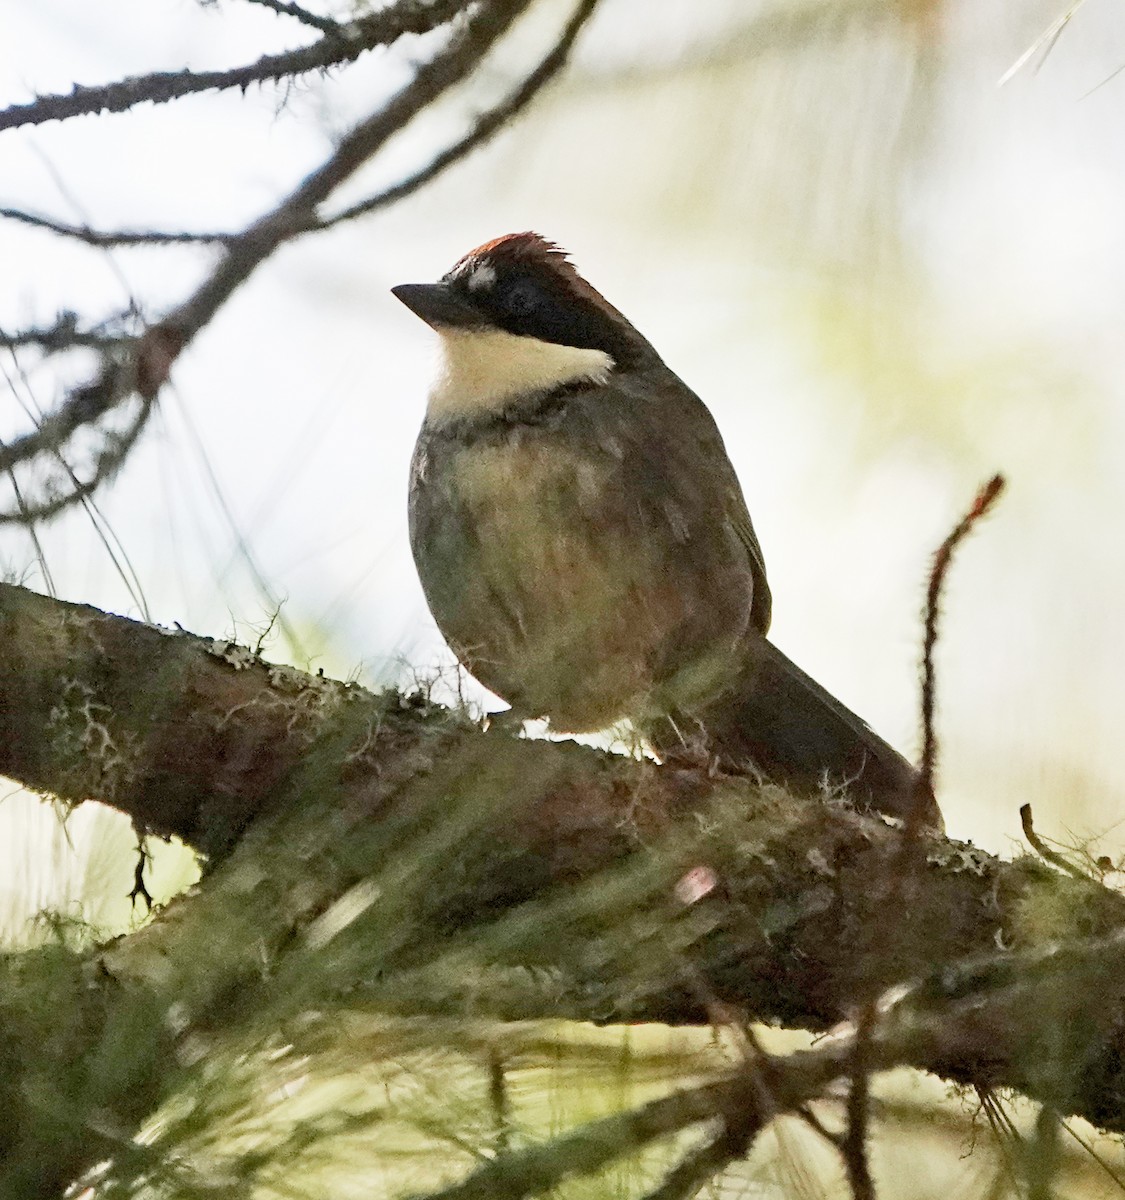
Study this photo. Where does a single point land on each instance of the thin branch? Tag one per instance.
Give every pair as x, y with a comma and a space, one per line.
141, 371
944, 556
784, 1085
1043, 850
1043, 1157
688, 1176
121, 237
108, 460
741, 1122
853, 1143
64, 334
1092, 1151
485, 126
147, 369
324, 24
292, 216
596, 1145
900, 879
331, 50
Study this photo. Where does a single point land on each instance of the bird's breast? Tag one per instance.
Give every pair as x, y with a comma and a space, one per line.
566, 581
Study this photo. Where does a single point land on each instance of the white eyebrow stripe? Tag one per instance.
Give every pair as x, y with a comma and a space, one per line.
482, 277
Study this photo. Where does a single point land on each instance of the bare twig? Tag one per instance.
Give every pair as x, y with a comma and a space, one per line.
145, 371
687, 1177
853, 1144
292, 216
487, 124
944, 556
64, 334
60, 336
379, 29
288, 9
140, 372
594, 1146
484, 127
140, 891
108, 460
911, 1028
120, 237
899, 879
1043, 1158
1043, 850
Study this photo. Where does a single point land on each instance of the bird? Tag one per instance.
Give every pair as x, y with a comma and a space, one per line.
585, 548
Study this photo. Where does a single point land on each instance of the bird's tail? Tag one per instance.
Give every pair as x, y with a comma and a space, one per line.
786, 725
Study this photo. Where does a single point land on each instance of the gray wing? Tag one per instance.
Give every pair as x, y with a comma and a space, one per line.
761, 609
685, 444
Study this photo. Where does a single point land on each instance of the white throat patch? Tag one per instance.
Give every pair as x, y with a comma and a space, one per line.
484, 369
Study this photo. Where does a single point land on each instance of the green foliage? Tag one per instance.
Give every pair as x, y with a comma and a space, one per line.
65, 1059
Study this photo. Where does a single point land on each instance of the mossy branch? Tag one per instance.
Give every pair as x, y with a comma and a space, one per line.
388, 854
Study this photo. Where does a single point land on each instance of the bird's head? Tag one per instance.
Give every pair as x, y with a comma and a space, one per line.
515, 318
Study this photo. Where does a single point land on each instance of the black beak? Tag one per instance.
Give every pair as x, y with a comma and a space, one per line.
439, 305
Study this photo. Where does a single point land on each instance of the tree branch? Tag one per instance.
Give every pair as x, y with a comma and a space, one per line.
118, 237
595, 1145
333, 49
144, 371
313, 20
551, 871
984, 500
64, 334
484, 128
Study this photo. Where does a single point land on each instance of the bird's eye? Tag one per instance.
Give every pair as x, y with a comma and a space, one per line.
522, 299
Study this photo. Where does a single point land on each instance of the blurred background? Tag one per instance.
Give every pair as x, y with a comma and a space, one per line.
888, 273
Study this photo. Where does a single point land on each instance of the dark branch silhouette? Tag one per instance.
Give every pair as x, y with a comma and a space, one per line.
135, 368
288, 9
140, 368
984, 500
331, 50
898, 887
1042, 849
484, 127
65, 334
120, 237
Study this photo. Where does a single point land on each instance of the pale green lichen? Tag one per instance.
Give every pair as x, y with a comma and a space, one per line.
93, 757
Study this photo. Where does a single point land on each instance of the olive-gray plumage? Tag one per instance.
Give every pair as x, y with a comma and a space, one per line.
576, 557
583, 541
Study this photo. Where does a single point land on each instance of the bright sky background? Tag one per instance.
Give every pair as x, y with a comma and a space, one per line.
888, 277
